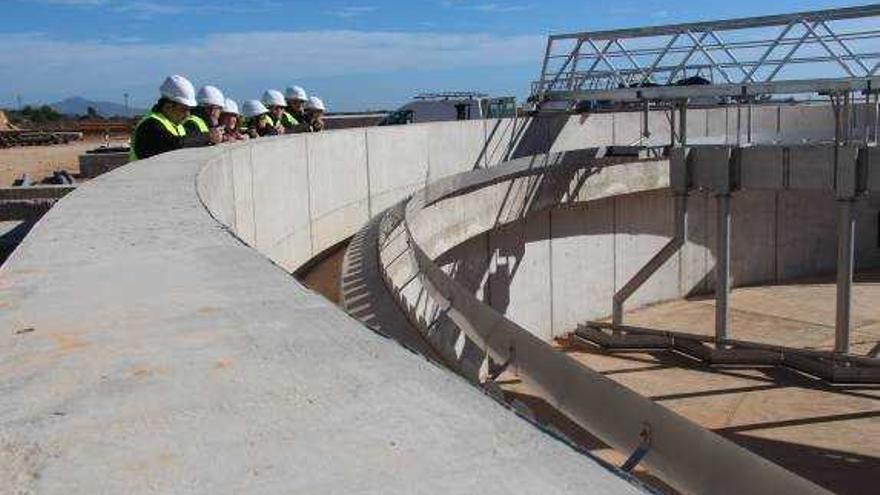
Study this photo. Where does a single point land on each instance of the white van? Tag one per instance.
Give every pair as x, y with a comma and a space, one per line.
436, 107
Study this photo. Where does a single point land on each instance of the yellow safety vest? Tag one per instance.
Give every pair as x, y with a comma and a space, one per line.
288, 120
174, 129
200, 123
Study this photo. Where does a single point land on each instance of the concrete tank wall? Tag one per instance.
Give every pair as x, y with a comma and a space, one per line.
551, 269
292, 197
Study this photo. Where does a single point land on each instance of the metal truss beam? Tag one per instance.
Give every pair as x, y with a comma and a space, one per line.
737, 58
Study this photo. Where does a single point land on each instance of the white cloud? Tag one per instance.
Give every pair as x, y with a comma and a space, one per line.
245, 59
495, 8
144, 9
498, 8
347, 12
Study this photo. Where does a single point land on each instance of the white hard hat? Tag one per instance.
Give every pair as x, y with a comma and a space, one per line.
296, 93
179, 89
210, 95
253, 108
315, 103
274, 98
230, 106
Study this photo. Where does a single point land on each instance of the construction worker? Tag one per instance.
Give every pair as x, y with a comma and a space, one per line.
206, 116
315, 109
274, 101
162, 129
296, 99
230, 120
258, 122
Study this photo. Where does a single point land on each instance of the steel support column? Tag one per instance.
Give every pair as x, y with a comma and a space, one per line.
722, 270
846, 224
682, 122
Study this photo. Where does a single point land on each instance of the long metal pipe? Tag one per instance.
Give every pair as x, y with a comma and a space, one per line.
846, 225
722, 270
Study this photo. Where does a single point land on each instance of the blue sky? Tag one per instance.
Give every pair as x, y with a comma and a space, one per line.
356, 54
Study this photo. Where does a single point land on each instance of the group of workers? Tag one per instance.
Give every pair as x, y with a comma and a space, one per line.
183, 118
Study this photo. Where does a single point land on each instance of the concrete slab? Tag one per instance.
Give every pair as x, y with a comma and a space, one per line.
245, 226
807, 123
812, 167
216, 186
145, 349
585, 130
519, 273
761, 167
281, 183
765, 126
397, 159
753, 238
338, 182
627, 127
643, 225
582, 267
805, 246
500, 138
454, 147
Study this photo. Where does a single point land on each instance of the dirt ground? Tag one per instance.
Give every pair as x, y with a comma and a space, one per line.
40, 161
323, 277
828, 434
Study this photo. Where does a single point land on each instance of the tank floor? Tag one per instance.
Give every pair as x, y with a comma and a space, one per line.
828, 434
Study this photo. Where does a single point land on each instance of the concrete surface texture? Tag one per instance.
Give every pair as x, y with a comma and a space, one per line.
146, 350
821, 432
300, 195
549, 252
511, 266
799, 313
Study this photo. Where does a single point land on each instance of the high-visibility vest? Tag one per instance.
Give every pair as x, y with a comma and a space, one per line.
176, 130
200, 123
288, 120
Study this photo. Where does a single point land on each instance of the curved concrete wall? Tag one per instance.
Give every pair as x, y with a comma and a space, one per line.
442, 292
146, 350
292, 197
552, 266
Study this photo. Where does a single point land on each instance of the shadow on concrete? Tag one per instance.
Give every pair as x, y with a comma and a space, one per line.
365, 296
11, 235
518, 137
549, 417
844, 473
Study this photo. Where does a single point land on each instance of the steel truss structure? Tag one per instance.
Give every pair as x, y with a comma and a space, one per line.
821, 51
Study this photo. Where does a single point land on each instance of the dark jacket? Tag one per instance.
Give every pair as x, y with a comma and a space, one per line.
151, 138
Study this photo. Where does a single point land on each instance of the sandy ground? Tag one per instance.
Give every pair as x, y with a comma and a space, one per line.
828, 434
40, 161
323, 277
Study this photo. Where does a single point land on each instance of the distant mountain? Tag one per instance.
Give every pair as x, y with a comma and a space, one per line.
80, 106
